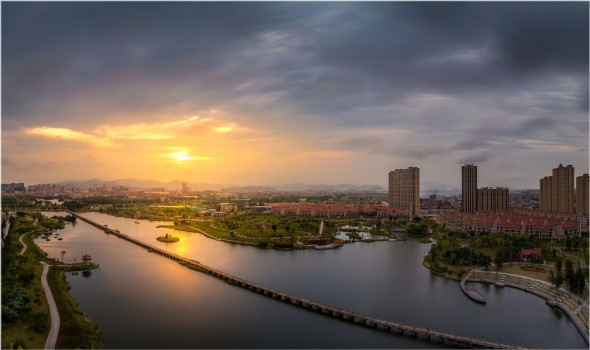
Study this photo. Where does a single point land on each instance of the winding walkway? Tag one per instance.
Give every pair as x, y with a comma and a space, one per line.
20, 239
54, 330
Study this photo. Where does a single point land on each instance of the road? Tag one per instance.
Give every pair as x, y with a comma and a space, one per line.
52, 336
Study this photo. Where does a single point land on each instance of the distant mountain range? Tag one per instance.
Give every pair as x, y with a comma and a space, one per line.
202, 186
426, 188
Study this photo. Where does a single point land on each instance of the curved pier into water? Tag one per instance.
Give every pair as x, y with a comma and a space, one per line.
341, 314
471, 292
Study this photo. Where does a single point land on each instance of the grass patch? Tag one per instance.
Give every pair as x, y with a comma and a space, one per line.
76, 330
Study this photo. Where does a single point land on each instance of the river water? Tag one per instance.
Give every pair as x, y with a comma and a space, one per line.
143, 300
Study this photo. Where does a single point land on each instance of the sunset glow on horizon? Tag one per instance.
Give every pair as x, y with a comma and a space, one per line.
293, 92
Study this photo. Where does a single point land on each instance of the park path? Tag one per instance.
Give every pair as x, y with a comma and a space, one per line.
20, 239
52, 336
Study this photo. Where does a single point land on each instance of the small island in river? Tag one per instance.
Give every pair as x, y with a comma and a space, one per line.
168, 239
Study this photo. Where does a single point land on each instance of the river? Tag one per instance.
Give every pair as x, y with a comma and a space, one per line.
143, 300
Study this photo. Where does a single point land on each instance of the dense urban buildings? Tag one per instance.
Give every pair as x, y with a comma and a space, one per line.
493, 199
404, 190
557, 190
336, 210
582, 192
469, 187
13, 187
538, 223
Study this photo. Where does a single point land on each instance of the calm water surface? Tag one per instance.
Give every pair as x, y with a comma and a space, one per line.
143, 300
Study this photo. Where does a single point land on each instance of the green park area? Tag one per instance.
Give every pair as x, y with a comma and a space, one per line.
562, 263
25, 313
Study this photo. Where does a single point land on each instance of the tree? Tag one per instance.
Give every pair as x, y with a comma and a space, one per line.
569, 273
558, 264
499, 257
63, 252
558, 280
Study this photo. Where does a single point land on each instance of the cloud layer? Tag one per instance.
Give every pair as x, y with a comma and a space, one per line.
321, 85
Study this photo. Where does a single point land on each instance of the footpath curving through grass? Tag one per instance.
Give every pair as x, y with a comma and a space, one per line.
25, 313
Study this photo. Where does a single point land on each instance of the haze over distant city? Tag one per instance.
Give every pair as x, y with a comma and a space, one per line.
297, 92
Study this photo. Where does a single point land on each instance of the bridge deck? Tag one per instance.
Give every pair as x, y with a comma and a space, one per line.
357, 318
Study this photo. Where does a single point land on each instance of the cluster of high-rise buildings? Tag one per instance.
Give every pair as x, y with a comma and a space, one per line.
557, 191
481, 199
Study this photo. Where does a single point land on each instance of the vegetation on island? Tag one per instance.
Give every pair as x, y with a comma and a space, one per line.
25, 313
168, 239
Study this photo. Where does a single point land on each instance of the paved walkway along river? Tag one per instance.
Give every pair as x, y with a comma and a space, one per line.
53, 331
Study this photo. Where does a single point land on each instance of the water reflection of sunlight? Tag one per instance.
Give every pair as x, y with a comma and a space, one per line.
182, 247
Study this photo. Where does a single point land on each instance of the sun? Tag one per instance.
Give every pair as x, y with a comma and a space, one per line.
183, 156
180, 156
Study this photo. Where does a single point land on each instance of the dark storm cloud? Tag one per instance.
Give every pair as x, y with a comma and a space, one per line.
338, 62
478, 157
484, 136
122, 53
396, 49
584, 99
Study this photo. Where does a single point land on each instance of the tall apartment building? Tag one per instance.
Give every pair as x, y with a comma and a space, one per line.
404, 190
582, 193
493, 198
469, 187
557, 190
545, 193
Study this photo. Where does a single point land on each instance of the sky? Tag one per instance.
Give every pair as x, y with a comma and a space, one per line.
262, 93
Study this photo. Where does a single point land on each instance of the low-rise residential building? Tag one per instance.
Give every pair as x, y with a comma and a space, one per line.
542, 224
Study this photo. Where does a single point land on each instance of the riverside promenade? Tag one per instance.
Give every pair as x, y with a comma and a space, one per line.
426, 334
560, 298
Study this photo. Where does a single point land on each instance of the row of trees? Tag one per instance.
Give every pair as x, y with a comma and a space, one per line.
574, 279
458, 256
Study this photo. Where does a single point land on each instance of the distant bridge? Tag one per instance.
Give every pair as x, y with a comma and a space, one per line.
341, 314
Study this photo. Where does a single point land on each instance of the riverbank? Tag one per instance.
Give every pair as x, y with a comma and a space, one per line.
28, 326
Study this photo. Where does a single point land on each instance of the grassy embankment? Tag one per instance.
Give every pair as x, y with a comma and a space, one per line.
26, 319
76, 330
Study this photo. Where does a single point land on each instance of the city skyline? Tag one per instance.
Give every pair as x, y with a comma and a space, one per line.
275, 93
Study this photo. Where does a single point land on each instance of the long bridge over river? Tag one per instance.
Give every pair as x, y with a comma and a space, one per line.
344, 315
